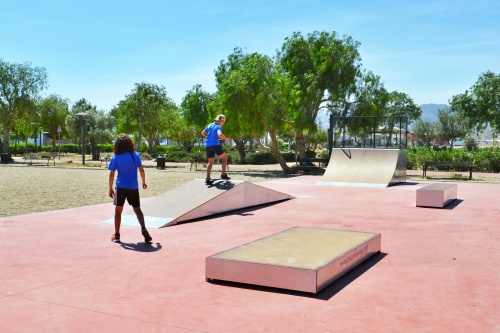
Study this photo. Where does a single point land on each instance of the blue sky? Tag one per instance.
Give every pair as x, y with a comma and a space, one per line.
98, 50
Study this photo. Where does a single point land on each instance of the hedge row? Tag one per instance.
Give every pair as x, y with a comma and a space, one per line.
483, 159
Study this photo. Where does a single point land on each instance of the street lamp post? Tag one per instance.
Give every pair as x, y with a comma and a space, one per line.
59, 130
35, 136
82, 116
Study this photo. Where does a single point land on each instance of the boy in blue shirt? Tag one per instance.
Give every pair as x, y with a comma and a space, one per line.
126, 161
213, 133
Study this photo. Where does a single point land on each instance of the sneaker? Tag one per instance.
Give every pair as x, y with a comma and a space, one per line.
147, 237
115, 238
208, 181
225, 176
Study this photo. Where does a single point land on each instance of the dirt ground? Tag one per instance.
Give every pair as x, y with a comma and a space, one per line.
26, 189
30, 189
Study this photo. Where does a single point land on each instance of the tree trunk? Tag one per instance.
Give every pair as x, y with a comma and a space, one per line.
276, 154
94, 150
240, 145
6, 132
300, 143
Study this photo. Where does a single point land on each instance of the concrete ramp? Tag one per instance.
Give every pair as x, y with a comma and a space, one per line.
195, 199
369, 167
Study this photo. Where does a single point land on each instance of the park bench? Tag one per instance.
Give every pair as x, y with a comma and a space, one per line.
27, 154
104, 159
304, 164
467, 165
48, 156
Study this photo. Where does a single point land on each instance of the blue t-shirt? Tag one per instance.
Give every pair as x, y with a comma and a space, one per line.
212, 137
126, 164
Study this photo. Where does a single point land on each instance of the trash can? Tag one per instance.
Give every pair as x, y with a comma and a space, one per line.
5, 158
160, 162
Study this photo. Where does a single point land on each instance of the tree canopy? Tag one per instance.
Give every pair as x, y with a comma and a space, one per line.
53, 112
481, 104
147, 111
98, 125
19, 86
323, 68
257, 96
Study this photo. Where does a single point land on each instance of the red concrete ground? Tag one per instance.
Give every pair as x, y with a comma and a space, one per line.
438, 270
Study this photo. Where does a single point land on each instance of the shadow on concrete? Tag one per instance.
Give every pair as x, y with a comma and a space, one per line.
141, 247
331, 290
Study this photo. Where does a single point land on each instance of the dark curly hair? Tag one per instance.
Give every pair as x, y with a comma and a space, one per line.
123, 144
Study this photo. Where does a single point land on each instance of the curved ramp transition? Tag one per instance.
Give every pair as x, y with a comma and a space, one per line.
365, 167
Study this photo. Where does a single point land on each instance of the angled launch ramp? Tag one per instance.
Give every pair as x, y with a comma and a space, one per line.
195, 199
370, 167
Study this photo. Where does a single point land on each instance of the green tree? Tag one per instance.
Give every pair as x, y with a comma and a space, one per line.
425, 131
399, 104
257, 97
27, 121
324, 68
450, 125
98, 125
146, 111
194, 106
481, 104
19, 84
184, 132
53, 112
319, 136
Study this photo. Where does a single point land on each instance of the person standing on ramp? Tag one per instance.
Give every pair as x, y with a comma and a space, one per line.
213, 133
126, 161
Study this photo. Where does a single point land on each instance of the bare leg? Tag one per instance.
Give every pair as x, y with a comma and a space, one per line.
209, 166
223, 158
140, 217
118, 218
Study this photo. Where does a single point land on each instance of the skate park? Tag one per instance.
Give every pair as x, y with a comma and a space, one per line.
435, 270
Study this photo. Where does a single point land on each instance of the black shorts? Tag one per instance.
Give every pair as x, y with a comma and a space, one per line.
132, 197
212, 150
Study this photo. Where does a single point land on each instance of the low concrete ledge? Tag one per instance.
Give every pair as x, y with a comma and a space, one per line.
303, 259
436, 195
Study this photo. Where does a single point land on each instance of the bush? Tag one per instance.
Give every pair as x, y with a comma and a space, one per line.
178, 155
483, 159
260, 158
146, 157
470, 144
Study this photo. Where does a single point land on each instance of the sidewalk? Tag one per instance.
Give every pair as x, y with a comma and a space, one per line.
437, 271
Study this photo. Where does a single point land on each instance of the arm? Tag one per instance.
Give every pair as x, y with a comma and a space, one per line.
222, 136
204, 134
143, 177
111, 181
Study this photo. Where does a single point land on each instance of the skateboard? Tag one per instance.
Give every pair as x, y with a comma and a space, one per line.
218, 181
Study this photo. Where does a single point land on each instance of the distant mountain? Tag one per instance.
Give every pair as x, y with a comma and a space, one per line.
429, 111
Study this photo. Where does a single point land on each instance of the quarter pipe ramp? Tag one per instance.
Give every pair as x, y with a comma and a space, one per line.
369, 167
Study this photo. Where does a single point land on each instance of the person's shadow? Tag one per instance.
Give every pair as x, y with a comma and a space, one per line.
141, 247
